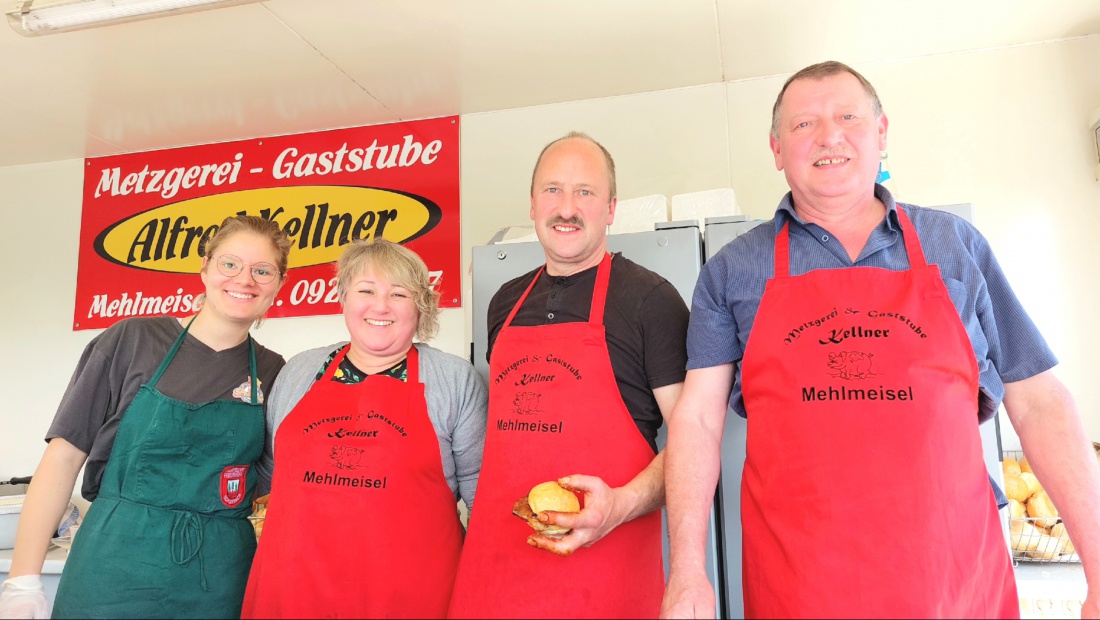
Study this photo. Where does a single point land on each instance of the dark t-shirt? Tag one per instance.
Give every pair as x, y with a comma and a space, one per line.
116, 363
645, 320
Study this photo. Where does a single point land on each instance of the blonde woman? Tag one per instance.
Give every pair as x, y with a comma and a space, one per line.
374, 442
166, 417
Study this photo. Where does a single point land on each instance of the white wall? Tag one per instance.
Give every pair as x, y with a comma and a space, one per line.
1003, 129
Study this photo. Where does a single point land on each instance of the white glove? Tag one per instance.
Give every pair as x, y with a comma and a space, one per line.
23, 597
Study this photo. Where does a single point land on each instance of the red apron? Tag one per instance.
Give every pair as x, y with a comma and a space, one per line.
555, 410
864, 492
361, 522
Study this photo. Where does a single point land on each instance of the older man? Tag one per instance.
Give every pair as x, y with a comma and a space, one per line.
864, 341
586, 356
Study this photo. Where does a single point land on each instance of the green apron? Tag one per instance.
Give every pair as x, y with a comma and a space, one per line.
168, 535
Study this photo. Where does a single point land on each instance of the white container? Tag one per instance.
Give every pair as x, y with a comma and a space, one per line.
10, 508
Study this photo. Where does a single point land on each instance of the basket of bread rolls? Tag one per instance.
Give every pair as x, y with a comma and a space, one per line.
259, 512
1036, 533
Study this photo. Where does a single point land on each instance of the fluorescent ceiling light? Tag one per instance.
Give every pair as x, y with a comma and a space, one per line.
38, 17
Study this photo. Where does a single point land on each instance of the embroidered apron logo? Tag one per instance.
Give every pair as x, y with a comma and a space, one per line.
233, 487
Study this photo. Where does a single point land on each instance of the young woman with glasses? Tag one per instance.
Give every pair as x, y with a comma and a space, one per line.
166, 417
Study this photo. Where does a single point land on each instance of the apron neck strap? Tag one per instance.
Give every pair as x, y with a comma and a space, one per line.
913, 247
171, 353
515, 309
599, 293
412, 363
335, 363
783, 251
252, 376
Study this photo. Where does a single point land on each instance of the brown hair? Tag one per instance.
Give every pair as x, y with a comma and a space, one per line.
402, 267
251, 223
583, 136
821, 71
247, 223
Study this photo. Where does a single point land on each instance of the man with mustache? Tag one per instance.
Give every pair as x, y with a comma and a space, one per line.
606, 339
864, 491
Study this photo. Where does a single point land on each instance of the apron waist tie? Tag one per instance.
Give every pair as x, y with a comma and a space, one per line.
186, 542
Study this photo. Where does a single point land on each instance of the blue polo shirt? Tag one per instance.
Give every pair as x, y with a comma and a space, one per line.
1007, 345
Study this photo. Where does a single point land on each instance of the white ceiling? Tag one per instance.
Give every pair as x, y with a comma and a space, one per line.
287, 66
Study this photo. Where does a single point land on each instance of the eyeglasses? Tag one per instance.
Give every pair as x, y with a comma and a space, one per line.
229, 266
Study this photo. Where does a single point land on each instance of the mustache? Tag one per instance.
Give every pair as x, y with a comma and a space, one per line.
572, 221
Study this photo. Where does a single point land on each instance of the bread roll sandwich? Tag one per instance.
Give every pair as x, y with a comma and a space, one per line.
546, 496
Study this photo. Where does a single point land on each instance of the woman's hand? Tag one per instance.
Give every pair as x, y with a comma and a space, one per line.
23, 597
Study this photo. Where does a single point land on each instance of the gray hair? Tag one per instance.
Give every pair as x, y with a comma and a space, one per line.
821, 71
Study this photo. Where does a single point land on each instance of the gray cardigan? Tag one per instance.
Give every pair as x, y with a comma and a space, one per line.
458, 406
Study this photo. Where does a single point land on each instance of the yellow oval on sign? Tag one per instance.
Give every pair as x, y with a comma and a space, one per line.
321, 219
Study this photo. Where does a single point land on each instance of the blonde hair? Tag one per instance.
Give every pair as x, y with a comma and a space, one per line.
402, 267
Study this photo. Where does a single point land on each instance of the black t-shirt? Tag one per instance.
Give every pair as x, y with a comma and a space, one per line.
115, 365
645, 320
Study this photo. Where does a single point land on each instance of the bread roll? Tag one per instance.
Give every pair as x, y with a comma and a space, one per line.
1046, 548
1010, 466
1065, 545
1016, 509
1016, 489
1025, 467
552, 496
259, 511
1032, 482
1025, 536
1042, 509
260, 503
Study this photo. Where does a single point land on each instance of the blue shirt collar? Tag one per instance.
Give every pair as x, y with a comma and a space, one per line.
785, 212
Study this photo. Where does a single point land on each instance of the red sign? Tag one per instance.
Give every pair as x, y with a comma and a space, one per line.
145, 214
